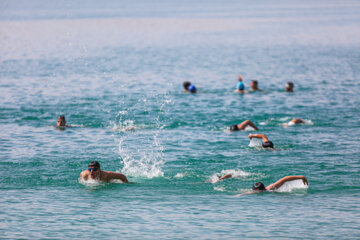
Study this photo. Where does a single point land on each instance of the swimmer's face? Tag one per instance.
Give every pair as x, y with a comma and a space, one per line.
253, 85
94, 172
61, 122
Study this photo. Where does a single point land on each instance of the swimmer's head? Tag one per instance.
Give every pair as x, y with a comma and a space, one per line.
289, 87
259, 186
94, 169
61, 122
234, 127
94, 164
192, 88
240, 78
267, 144
186, 85
254, 85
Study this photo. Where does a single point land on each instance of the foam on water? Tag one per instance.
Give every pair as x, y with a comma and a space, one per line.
91, 182
292, 185
249, 128
179, 175
255, 142
235, 173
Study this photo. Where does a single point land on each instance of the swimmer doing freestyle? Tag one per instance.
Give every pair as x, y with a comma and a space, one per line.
259, 186
266, 143
94, 172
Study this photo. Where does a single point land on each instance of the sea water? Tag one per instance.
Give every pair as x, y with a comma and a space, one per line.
115, 70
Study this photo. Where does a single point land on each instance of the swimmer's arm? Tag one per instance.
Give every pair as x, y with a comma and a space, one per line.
262, 136
84, 174
224, 177
114, 175
283, 180
246, 193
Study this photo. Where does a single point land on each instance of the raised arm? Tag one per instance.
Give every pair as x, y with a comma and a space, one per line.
224, 177
262, 136
283, 180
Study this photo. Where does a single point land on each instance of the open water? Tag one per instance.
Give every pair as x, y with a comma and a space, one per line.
115, 69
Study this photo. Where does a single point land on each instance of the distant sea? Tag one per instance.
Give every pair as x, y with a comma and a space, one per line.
115, 70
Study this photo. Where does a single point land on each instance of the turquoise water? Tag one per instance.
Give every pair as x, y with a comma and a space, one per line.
115, 70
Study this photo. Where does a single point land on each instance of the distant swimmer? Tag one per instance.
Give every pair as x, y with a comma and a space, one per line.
189, 87
293, 122
240, 88
243, 125
259, 186
254, 85
96, 173
61, 122
289, 87
266, 143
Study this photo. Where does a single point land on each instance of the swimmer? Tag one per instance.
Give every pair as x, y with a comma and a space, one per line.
289, 87
240, 86
266, 143
254, 85
96, 173
243, 125
259, 186
189, 87
293, 122
61, 122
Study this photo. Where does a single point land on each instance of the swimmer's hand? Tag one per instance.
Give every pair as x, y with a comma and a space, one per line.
250, 136
305, 181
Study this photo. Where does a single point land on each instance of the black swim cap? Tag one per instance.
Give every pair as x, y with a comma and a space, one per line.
94, 164
186, 85
234, 127
259, 186
268, 144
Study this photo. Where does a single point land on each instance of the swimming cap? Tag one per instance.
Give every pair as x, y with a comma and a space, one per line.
259, 186
234, 127
268, 144
94, 164
192, 88
241, 86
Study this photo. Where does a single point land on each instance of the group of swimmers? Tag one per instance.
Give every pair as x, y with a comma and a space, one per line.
266, 143
94, 171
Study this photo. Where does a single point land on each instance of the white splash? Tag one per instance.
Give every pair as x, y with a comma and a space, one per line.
219, 188
144, 162
125, 126
249, 128
292, 185
179, 175
234, 173
255, 142
90, 182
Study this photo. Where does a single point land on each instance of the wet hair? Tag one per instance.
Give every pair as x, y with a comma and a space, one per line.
62, 117
255, 82
267, 144
290, 85
94, 164
259, 186
234, 127
186, 85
